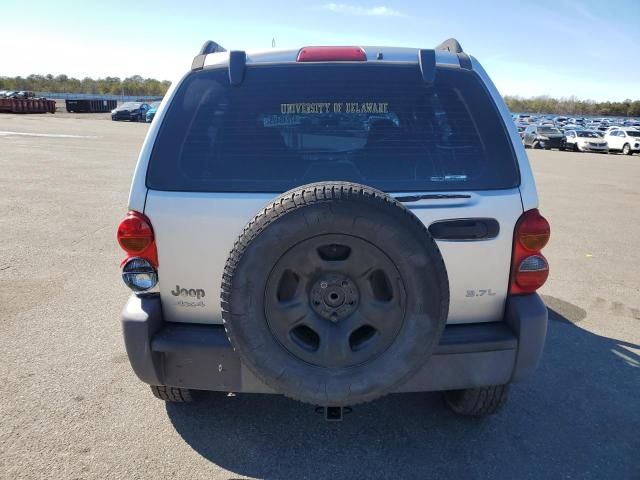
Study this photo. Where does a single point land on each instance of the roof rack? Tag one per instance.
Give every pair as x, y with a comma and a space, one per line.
427, 63
208, 47
453, 46
450, 45
237, 61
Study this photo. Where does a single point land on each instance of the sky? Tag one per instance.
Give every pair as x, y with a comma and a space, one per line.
588, 49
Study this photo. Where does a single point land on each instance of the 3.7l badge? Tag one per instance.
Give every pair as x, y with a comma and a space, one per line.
480, 293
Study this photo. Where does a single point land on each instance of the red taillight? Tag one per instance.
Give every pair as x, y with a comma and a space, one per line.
331, 54
529, 268
135, 236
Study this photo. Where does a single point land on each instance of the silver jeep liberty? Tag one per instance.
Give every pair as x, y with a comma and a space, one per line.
334, 224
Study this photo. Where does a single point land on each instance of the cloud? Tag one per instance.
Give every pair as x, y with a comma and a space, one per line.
346, 9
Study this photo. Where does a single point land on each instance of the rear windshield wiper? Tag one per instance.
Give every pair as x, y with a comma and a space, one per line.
430, 196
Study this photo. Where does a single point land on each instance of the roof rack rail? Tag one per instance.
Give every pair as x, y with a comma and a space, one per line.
237, 62
453, 46
208, 47
427, 63
450, 45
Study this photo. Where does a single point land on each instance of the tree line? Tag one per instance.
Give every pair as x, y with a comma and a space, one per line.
573, 106
135, 85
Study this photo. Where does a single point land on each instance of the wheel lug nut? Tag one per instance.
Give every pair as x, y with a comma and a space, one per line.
324, 284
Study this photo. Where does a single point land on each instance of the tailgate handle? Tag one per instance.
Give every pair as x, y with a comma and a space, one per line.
466, 229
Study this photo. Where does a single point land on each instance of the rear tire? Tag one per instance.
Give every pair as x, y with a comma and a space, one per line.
172, 394
626, 149
477, 402
576, 148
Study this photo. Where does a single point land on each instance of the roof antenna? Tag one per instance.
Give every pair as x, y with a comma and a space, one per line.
273, 43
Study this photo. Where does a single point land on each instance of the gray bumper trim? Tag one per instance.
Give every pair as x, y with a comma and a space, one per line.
141, 321
527, 316
201, 357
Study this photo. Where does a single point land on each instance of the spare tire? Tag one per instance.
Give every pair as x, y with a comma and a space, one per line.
334, 294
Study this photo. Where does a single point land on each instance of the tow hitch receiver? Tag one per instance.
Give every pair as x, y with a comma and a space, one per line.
333, 414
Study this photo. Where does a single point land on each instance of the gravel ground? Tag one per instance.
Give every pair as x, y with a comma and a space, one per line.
70, 406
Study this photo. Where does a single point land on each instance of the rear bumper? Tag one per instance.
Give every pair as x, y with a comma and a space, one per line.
591, 148
553, 143
123, 116
201, 357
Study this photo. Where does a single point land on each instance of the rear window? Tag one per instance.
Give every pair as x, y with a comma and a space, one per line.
288, 125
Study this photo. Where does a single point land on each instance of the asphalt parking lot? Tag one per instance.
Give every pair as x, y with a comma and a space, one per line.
70, 406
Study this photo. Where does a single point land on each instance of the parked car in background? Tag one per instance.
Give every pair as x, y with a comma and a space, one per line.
153, 108
20, 94
132, 111
624, 140
585, 141
570, 126
543, 136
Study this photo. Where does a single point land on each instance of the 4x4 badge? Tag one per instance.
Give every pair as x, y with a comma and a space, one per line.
192, 292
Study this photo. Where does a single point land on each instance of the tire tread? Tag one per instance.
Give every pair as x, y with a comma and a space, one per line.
172, 394
477, 402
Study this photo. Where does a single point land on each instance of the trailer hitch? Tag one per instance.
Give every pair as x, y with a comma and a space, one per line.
333, 414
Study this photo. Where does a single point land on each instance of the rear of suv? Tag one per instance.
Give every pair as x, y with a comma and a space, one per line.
334, 224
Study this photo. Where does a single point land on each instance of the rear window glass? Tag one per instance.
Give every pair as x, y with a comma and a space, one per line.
288, 125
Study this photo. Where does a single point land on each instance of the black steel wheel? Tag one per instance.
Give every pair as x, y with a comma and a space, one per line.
335, 301
334, 294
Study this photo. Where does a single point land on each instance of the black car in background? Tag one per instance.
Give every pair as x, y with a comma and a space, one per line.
543, 136
132, 111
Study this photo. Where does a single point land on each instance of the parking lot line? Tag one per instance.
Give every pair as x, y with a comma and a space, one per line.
50, 135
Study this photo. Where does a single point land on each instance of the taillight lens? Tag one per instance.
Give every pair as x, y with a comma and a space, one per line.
135, 236
529, 268
331, 54
533, 231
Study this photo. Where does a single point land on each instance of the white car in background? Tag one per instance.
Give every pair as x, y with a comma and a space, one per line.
625, 140
585, 141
